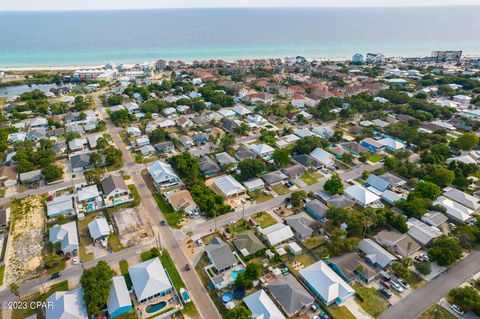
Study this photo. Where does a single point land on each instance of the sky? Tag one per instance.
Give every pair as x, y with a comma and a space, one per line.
23, 5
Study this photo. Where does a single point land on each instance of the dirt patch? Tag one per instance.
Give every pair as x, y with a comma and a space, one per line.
132, 227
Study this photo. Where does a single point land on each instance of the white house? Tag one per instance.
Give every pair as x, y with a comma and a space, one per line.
66, 235
66, 305
228, 186
150, 280
163, 174
262, 307
323, 157
361, 195
99, 228
263, 150
277, 234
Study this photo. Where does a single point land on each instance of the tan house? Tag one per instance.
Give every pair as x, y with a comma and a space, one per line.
8, 175
403, 244
183, 200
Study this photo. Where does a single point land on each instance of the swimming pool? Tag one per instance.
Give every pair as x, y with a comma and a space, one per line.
234, 274
90, 207
156, 307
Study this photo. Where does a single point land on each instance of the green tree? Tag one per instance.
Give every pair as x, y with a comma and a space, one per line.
347, 158
445, 251
468, 298
400, 270
250, 168
253, 270
95, 159
157, 135
466, 141
52, 173
334, 185
441, 176
281, 157
297, 198
113, 156
427, 190
307, 144
15, 289
239, 312
423, 268
114, 100
96, 282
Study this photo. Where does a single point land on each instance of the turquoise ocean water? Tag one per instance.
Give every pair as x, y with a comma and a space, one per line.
98, 37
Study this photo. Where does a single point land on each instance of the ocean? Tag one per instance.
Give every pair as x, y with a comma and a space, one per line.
60, 38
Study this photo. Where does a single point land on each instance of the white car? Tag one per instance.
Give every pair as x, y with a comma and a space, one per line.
403, 283
457, 309
396, 286
75, 261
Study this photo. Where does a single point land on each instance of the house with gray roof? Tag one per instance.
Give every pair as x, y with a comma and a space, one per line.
66, 235
243, 153
377, 182
433, 218
247, 243
375, 254
290, 295
225, 159
80, 162
462, 198
150, 280
114, 187
66, 305
393, 180
209, 167
220, 255
119, 301
274, 177
300, 225
60, 205
317, 209
403, 244
294, 171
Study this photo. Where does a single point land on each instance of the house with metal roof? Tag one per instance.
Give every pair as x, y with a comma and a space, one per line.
323, 157
391, 144
454, 210
254, 184
277, 234
421, 232
375, 254
66, 305
317, 209
326, 284
60, 205
433, 218
163, 175
300, 225
119, 301
263, 150
99, 228
290, 295
247, 243
66, 235
150, 280
228, 186
377, 182
361, 195
467, 200
220, 255
262, 307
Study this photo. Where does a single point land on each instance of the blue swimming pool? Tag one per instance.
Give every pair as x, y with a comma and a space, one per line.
156, 307
234, 274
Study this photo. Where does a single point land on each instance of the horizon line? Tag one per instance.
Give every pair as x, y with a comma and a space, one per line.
247, 7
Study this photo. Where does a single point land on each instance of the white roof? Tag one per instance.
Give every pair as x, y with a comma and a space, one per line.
455, 211
326, 282
98, 228
161, 171
119, 296
149, 278
262, 307
254, 183
302, 132
324, 157
277, 233
87, 192
59, 204
226, 112
262, 149
391, 143
228, 185
66, 305
421, 232
166, 123
241, 110
361, 194
66, 234
463, 198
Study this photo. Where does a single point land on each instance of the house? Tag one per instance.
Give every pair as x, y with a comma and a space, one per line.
165, 147
99, 228
4, 217
88, 194
60, 205
265, 151
392, 145
8, 176
462, 198
372, 145
163, 175
186, 141
339, 201
277, 234
184, 123
323, 131
254, 184
220, 255
241, 110
393, 180
247, 243
377, 182
290, 295
306, 160
375, 254
92, 140
317, 209
147, 150
323, 157
454, 210
421, 232
30, 177
114, 186
403, 244
201, 138
243, 153
226, 160
141, 141
119, 301
301, 225
149, 280
390, 197
274, 177
183, 200
66, 235
361, 195
326, 284
77, 144
80, 162
294, 171
350, 266
229, 125
355, 148
262, 307
209, 167
226, 113
228, 186
435, 219
66, 305
298, 101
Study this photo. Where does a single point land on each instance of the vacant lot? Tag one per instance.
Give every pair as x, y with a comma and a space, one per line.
370, 300
341, 312
436, 312
264, 219
132, 227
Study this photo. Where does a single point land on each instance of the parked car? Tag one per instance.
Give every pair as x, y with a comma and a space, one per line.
323, 315
198, 242
385, 293
187, 267
425, 258
403, 283
55, 275
75, 261
163, 223
226, 235
74, 253
418, 259
385, 283
457, 309
396, 286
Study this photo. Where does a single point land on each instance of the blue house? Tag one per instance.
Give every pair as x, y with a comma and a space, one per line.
372, 145
200, 138
119, 301
377, 182
347, 267
317, 209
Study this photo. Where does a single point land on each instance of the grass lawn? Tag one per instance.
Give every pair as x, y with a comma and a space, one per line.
123, 264
415, 281
38, 296
171, 216
2, 273
304, 259
259, 196
370, 300
308, 178
238, 228
264, 219
114, 243
84, 235
280, 189
436, 312
374, 158
314, 241
340, 312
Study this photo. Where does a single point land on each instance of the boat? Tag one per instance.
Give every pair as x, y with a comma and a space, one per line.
185, 296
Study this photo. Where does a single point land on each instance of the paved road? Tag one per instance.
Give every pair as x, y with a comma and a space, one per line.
202, 228
419, 300
168, 241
